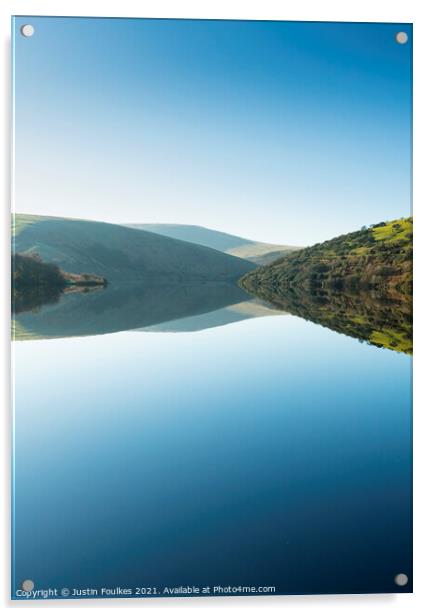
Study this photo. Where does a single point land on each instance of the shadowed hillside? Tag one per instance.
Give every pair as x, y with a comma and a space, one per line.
120, 253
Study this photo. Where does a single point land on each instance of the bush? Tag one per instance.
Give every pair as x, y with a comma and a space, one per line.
31, 271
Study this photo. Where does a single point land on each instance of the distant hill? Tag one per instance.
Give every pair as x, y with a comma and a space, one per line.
120, 253
257, 252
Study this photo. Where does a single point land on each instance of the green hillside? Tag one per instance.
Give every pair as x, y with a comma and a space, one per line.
359, 284
376, 257
257, 252
119, 253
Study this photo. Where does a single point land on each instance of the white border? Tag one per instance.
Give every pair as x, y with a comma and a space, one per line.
307, 10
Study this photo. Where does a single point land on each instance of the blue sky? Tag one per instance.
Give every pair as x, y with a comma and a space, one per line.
283, 132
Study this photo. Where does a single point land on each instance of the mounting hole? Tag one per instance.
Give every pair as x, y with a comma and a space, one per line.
27, 585
27, 30
401, 38
401, 579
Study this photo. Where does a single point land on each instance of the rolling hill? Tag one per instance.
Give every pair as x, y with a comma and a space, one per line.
257, 252
120, 253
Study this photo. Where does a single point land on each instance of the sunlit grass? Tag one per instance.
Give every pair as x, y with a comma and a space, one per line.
394, 231
20, 221
391, 339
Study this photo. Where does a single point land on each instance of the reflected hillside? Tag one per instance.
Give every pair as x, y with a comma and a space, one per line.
382, 320
252, 309
119, 308
32, 299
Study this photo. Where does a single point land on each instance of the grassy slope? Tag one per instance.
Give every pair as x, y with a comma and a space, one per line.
359, 284
121, 253
231, 244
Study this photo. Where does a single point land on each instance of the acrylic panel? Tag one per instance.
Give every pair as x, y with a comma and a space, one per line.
212, 315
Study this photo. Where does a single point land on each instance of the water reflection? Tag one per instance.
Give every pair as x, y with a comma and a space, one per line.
381, 320
120, 308
33, 298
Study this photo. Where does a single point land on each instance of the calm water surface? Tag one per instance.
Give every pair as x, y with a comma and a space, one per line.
269, 451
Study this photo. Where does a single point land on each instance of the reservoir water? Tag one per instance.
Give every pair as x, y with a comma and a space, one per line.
266, 452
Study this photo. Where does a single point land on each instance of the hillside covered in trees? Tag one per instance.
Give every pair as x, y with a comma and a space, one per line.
379, 256
359, 284
30, 271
